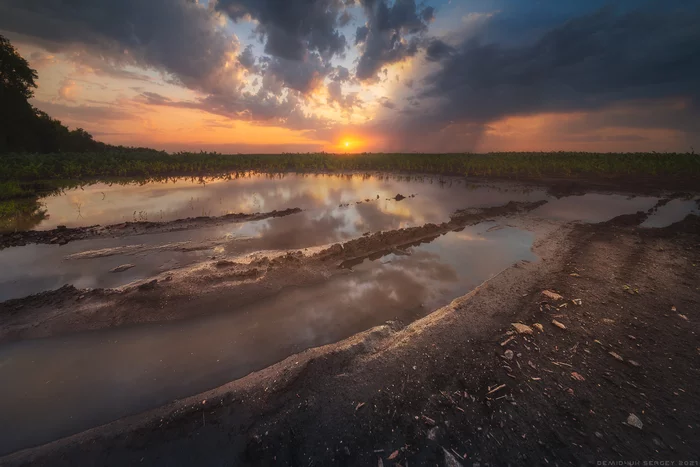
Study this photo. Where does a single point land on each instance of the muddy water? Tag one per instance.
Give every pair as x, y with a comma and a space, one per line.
58, 386
336, 208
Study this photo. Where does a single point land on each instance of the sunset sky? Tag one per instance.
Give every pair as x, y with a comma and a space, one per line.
367, 75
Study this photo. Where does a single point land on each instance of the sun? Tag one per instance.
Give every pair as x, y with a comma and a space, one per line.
347, 144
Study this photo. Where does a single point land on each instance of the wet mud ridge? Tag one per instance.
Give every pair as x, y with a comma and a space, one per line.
198, 290
590, 355
63, 235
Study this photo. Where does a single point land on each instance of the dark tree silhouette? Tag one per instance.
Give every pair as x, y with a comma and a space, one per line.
24, 128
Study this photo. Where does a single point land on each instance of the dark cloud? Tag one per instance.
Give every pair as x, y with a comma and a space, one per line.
438, 50
179, 37
300, 75
390, 35
588, 62
293, 27
347, 102
247, 60
340, 74
386, 102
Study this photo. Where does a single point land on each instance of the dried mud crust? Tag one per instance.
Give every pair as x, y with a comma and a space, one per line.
63, 235
201, 289
461, 386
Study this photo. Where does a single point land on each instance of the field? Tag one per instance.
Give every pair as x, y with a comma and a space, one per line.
23, 175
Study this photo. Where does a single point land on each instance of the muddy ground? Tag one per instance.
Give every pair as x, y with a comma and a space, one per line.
197, 290
62, 235
608, 372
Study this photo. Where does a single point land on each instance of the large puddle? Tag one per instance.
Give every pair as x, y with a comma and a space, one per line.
58, 386
336, 208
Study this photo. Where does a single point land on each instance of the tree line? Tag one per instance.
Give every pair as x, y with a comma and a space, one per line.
23, 127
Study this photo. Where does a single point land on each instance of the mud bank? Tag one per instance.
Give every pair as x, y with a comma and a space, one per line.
462, 386
62, 235
198, 290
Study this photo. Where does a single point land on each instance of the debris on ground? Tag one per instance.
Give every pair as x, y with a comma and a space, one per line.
617, 356
505, 342
450, 459
552, 295
393, 455
634, 421
558, 324
538, 326
577, 376
521, 328
508, 354
359, 406
577, 302
122, 267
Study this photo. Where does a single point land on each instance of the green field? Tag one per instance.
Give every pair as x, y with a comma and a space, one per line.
26, 177
27, 174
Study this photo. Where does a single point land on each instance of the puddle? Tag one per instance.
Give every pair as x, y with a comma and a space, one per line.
186, 197
331, 214
676, 210
58, 386
593, 207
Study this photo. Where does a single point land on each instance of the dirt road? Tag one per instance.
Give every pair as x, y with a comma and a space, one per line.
604, 366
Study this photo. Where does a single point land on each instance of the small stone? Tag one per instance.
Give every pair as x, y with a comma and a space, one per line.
577, 302
522, 328
634, 421
538, 326
634, 363
508, 355
617, 356
450, 459
558, 324
432, 433
599, 435
608, 321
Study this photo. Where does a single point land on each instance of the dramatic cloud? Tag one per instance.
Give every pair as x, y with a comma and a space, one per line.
390, 35
179, 37
293, 27
586, 63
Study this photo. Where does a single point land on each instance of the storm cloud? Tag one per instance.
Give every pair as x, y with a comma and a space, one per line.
588, 62
291, 28
391, 34
181, 38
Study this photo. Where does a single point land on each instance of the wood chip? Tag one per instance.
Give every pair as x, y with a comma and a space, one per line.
359, 406
428, 421
497, 388
505, 342
617, 356
577, 376
558, 324
538, 326
552, 295
393, 455
522, 328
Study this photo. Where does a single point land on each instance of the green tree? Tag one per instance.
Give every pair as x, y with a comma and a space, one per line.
16, 77
24, 128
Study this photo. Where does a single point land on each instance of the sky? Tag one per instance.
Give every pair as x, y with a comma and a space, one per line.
271, 76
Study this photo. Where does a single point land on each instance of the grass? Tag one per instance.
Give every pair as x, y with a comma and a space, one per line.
25, 177
23, 174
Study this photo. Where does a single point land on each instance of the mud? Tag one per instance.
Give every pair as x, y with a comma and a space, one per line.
197, 290
62, 235
460, 386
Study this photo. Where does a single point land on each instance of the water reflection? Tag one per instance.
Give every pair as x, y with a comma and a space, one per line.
178, 198
57, 386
